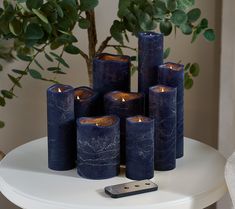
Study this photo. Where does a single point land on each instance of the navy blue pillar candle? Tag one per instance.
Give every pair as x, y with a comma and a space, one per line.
123, 105
111, 73
162, 107
172, 74
61, 127
150, 57
139, 148
98, 147
86, 102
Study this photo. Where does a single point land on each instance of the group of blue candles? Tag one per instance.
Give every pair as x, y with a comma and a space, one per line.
98, 129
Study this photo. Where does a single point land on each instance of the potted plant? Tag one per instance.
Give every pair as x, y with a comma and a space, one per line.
38, 25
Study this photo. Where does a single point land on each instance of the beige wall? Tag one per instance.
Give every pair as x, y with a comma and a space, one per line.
25, 117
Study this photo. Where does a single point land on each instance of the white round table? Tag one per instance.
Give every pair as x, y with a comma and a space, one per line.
197, 182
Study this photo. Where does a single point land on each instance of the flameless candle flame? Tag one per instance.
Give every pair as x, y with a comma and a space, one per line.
97, 124
78, 97
139, 120
171, 67
59, 90
162, 90
123, 100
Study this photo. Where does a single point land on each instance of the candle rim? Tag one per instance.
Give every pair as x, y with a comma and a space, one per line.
179, 68
66, 88
94, 119
157, 89
136, 95
150, 34
93, 93
145, 119
125, 57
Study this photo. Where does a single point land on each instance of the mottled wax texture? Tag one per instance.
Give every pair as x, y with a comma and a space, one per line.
61, 127
162, 107
123, 105
111, 72
86, 102
150, 57
98, 147
172, 74
139, 148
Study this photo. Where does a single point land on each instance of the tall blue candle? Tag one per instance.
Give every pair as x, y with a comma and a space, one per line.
111, 72
139, 148
172, 74
61, 127
162, 107
86, 102
98, 147
150, 57
123, 105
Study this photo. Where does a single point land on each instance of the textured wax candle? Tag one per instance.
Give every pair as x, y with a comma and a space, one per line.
150, 57
61, 127
123, 105
111, 73
162, 107
98, 147
172, 74
139, 148
86, 102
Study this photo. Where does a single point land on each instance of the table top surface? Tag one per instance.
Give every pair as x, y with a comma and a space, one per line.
25, 180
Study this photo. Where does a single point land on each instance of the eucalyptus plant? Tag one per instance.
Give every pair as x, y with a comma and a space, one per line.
39, 26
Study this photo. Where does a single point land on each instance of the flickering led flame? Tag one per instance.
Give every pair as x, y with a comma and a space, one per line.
123, 100
78, 97
139, 120
162, 90
171, 67
59, 90
97, 124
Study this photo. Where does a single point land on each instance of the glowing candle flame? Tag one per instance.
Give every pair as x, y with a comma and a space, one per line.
123, 100
162, 90
59, 90
78, 98
97, 124
139, 120
171, 67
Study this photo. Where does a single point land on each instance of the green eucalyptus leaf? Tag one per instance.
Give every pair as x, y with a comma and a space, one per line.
84, 23
185, 4
20, 72
40, 15
166, 53
38, 64
15, 27
51, 69
116, 31
187, 67
59, 11
60, 59
188, 84
194, 69
166, 27
59, 72
203, 24
179, 17
209, 34
14, 80
194, 15
71, 49
186, 29
86, 5
34, 31
7, 94
2, 124
34, 4
35, 74
171, 5
2, 101
24, 57
48, 57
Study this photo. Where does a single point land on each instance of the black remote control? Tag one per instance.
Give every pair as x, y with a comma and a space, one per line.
131, 188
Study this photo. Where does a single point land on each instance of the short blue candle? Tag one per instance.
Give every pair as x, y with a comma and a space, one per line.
61, 127
162, 107
123, 105
86, 102
150, 57
139, 148
172, 74
98, 147
111, 73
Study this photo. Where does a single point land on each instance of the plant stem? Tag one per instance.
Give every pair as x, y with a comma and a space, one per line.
104, 45
92, 39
